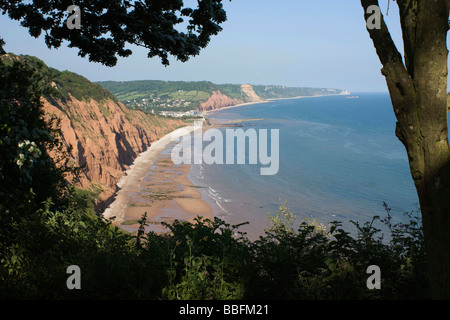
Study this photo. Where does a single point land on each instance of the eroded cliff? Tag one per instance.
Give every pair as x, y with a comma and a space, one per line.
106, 137
218, 100
249, 95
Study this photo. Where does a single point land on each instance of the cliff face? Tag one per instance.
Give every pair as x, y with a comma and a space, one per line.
249, 95
219, 100
106, 137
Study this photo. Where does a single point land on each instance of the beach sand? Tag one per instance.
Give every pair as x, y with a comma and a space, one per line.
156, 186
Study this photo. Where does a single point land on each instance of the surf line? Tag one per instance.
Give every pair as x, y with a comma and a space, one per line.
221, 150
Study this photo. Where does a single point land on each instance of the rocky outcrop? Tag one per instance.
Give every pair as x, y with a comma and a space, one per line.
219, 100
106, 137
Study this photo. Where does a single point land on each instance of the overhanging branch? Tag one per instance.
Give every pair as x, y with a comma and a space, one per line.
387, 52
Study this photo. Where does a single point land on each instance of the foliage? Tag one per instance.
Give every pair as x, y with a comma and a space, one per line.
160, 95
131, 90
204, 261
80, 87
316, 263
276, 92
27, 173
108, 26
61, 84
231, 90
209, 260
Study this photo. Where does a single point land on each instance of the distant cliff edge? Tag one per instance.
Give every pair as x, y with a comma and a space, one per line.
106, 137
181, 96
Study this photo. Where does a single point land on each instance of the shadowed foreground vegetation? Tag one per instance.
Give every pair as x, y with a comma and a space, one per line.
206, 260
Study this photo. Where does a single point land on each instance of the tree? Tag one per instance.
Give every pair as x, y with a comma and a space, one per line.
107, 26
28, 174
417, 85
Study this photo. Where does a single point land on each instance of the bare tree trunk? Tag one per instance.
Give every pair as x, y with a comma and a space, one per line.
418, 90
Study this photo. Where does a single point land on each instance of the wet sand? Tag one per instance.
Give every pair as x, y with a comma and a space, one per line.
156, 186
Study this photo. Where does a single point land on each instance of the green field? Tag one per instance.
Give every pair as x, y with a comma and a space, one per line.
159, 95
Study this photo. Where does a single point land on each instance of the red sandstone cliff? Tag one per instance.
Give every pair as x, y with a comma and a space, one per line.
106, 138
219, 100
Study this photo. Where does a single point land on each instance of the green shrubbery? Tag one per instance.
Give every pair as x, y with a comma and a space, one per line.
207, 260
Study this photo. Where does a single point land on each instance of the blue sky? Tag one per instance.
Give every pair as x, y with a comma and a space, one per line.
314, 43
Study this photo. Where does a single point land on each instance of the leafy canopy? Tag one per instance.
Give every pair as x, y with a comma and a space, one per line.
107, 26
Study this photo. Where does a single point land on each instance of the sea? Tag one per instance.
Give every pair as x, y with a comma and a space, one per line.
339, 160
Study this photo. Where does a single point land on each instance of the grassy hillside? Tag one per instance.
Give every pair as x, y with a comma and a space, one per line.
63, 82
183, 96
161, 95
231, 90
279, 92
130, 90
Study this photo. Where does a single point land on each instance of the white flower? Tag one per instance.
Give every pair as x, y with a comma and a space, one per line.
19, 163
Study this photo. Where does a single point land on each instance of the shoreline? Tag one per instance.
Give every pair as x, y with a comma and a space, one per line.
156, 186
316, 96
209, 112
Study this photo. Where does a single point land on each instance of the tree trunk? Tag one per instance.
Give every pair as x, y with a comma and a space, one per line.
418, 90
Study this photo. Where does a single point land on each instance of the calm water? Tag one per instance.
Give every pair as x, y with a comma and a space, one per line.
339, 160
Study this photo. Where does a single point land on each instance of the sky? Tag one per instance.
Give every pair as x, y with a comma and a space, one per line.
296, 43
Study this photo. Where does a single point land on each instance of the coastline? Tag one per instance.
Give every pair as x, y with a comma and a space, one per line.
209, 112
163, 190
316, 96
156, 186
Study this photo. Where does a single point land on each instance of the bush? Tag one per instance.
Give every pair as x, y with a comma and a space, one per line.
209, 260
315, 263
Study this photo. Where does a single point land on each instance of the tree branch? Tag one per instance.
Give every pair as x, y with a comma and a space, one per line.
408, 21
389, 56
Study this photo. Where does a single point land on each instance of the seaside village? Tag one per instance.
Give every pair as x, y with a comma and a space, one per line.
179, 114
155, 102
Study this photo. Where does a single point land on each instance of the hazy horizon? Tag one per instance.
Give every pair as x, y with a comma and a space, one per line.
291, 43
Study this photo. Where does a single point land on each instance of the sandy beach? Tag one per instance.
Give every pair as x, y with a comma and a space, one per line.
154, 185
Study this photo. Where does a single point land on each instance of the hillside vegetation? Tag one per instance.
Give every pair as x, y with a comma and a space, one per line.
63, 83
282, 92
183, 96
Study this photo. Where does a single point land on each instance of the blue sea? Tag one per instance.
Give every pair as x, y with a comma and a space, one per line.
339, 160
